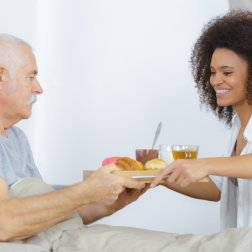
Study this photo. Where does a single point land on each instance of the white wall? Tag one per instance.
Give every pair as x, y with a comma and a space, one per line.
111, 70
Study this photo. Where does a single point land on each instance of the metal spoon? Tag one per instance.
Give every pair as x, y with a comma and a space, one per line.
156, 134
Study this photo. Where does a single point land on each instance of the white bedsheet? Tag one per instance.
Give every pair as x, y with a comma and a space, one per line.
72, 235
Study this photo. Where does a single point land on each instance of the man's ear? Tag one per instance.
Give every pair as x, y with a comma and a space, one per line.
4, 77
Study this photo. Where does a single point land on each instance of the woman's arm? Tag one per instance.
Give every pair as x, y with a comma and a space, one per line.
198, 190
182, 177
237, 166
183, 172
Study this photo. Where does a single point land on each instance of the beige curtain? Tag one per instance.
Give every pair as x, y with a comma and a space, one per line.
240, 4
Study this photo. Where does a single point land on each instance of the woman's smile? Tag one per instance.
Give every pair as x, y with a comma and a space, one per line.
222, 92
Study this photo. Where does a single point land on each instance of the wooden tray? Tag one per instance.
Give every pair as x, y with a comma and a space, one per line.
148, 175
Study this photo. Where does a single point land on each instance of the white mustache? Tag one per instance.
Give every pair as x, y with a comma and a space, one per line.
32, 99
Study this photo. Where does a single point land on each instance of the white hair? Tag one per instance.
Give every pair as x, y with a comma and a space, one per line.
11, 56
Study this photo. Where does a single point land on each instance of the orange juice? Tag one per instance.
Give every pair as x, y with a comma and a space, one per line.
184, 154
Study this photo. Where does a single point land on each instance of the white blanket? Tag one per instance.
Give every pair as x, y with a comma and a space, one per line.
72, 235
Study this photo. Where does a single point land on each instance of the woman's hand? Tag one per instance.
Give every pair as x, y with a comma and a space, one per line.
182, 172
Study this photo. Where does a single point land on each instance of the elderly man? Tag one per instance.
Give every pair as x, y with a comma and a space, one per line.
24, 217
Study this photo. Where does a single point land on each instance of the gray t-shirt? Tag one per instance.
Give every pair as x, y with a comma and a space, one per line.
16, 160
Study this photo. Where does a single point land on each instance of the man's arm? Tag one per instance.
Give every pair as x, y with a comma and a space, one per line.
24, 217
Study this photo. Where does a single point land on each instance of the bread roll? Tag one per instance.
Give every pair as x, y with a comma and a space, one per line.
155, 164
128, 164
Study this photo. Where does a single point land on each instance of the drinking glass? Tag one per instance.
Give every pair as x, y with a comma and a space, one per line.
185, 151
165, 153
144, 155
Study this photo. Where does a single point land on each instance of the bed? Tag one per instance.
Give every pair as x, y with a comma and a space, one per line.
72, 235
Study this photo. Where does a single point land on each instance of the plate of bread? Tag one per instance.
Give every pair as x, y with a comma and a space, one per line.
130, 168
134, 169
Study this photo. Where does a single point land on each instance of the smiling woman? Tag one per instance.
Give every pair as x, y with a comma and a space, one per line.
231, 34
222, 68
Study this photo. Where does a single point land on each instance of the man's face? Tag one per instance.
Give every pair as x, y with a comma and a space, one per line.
18, 102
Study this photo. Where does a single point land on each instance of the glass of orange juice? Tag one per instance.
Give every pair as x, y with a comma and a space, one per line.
185, 151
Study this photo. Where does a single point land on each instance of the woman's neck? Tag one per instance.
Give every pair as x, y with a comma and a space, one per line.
244, 114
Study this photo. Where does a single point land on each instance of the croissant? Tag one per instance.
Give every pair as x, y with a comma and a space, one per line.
128, 164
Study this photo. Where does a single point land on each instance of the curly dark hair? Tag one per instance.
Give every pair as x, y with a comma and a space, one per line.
232, 31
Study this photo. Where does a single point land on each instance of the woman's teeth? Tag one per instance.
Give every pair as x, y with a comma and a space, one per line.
223, 91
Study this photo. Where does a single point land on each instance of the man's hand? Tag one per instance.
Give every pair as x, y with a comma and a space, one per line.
125, 198
92, 212
105, 187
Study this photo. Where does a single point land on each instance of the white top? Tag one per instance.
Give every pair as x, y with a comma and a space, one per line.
236, 200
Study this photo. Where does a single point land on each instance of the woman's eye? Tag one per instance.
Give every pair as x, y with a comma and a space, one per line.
212, 73
227, 73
